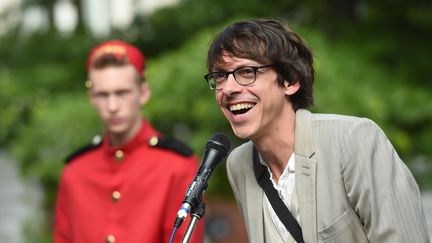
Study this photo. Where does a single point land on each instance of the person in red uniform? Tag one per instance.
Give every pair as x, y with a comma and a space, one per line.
127, 186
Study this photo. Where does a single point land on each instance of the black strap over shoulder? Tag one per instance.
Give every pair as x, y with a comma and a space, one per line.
263, 178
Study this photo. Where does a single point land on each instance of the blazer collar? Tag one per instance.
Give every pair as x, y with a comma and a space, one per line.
303, 134
255, 213
305, 168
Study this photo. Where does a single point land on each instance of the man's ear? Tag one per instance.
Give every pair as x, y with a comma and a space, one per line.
291, 88
145, 93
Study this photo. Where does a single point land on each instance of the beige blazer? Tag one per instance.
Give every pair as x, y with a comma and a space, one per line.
351, 185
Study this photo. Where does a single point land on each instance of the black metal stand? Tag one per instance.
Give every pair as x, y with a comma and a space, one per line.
196, 215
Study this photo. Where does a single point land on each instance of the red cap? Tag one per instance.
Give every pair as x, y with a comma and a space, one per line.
120, 50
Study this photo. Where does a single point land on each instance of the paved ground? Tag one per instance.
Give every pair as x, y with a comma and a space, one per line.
20, 199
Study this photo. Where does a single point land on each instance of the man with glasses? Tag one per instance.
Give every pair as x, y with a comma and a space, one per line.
127, 185
304, 177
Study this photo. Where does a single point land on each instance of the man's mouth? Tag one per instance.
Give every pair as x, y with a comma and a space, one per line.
241, 108
114, 121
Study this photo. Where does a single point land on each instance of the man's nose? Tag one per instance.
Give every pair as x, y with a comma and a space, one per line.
231, 85
113, 103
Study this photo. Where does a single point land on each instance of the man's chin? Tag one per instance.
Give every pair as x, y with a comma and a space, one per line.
116, 129
240, 132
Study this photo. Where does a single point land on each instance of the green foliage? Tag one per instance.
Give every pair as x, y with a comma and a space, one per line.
180, 93
32, 70
13, 110
53, 133
58, 126
361, 86
170, 27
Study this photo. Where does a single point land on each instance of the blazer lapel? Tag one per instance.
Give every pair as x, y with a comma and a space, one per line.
305, 174
255, 212
254, 202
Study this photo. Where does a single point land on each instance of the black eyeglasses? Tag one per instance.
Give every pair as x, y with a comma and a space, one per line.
242, 75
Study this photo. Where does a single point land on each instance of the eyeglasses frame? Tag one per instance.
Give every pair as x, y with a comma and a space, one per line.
254, 68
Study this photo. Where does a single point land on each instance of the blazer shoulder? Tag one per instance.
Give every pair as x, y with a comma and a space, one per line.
244, 151
341, 121
95, 143
240, 157
333, 117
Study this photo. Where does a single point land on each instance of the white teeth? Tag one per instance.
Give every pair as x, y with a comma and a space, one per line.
241, 106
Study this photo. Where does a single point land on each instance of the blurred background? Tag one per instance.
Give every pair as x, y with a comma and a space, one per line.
372, 60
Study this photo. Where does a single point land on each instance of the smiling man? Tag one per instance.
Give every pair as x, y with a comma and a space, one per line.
304, 177
128, 185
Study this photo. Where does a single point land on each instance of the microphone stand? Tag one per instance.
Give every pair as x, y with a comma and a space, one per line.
196, 214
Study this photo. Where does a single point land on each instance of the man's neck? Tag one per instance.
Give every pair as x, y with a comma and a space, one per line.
123, 138
277, 146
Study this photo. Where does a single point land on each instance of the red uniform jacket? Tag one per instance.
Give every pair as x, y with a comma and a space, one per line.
127, 194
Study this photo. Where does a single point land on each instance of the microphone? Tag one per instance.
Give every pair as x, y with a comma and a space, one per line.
215, 151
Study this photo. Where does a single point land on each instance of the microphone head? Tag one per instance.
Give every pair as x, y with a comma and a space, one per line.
220, 142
